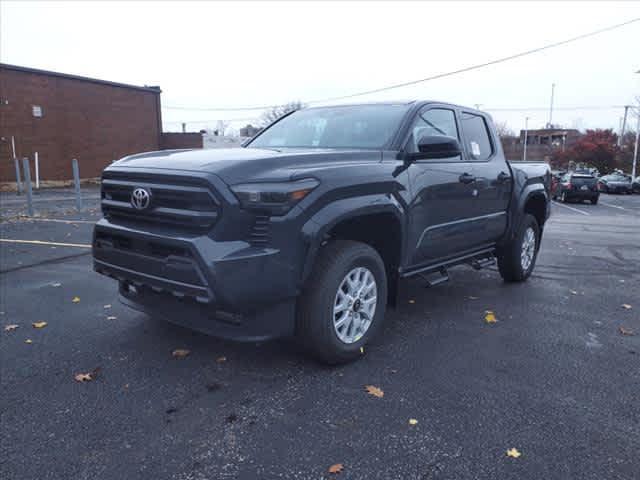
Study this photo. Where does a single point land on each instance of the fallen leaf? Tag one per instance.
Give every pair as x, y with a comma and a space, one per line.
513, 452
573, 292
83, 377
413, 421
56, 284
375, 391
180, 353
626, 331
412, 301
28, 340
490, 317
107, 306
362, 350
221, 359
111, 317
626, 306
10, 328
76, 300
39, 324
336, 468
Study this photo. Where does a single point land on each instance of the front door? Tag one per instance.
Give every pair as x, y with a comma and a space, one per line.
442, 193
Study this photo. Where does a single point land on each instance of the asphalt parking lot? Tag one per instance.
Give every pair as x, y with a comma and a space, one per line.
557, 376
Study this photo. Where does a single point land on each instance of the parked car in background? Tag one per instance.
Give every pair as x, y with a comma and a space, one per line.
575, 186
635, 186
615, 183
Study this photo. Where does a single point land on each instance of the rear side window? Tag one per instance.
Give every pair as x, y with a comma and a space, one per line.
476, 135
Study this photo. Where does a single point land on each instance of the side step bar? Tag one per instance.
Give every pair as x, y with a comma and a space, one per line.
435, 278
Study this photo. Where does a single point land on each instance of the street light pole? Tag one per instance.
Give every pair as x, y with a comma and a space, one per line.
635, 151
624, 125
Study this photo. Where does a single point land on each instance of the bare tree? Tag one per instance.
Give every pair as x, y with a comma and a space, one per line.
278, 111
221, 127
503, 130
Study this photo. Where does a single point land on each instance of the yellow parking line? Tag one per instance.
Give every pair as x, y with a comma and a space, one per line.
41, 242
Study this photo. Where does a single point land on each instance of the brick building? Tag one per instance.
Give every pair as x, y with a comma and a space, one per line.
64, 116
541, 143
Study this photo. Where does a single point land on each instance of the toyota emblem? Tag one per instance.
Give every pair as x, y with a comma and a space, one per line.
140, 198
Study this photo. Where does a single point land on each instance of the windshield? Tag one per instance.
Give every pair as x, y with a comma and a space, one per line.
358, 126
617, 177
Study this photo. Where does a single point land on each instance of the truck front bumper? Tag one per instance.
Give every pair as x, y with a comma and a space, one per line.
226, 289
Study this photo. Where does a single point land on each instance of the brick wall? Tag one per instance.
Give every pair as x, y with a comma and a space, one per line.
91, 120
177, 140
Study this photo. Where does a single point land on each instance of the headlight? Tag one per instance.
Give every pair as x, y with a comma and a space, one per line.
273, 198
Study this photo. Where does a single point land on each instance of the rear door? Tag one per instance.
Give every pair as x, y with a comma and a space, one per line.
493, 182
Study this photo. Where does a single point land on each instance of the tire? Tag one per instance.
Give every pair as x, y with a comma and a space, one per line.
594, 201
511, 265
315, 313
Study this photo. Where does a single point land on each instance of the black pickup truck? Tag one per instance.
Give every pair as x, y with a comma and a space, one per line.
306, 231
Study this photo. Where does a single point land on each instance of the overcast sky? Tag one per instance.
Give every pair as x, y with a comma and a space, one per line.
244, 54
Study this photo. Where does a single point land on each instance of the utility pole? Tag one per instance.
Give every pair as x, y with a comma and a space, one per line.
526, 134
553, 87
624, 124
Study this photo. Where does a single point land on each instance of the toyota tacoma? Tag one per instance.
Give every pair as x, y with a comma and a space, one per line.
306, 230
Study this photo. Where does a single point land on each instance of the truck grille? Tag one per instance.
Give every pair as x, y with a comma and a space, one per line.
181, 202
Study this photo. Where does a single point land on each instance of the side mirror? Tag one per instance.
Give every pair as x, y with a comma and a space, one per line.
435, 146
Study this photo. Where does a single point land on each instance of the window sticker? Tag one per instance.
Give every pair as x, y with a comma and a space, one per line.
475, 149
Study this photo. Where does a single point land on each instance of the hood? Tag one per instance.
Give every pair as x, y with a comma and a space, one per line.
236, 165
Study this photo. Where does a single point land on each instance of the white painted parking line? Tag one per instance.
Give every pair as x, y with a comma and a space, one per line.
612, 206
59, 220
40, 242
571, 208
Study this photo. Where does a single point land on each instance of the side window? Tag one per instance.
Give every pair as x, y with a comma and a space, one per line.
437, 121
476, 135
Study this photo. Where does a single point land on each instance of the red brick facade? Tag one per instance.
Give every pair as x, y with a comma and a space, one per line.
92, 120
178, 140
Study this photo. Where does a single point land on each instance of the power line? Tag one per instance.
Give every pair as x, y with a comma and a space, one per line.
531, 109
421, 80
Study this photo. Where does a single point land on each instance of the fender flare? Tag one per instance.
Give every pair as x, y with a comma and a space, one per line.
517, 214
316, 230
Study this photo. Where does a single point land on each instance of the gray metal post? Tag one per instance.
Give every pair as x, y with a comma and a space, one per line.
27, 181
76, 182
18, 180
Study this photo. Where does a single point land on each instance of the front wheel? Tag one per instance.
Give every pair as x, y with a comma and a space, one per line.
517, 259
343, 303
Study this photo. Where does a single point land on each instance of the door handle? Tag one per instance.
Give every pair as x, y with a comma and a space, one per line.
466, 178
503, 177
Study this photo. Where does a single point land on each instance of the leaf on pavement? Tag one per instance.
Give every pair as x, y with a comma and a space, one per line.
111, 317
375, 391
471, 297
76, 300
83, 377
39, 324
336, 468
180, 353
56, 284
413, 421
10, 328
626, 306
513, 452
362, 350
107, 306
221, 359
28, 340
626, 331
490, 317
573, 292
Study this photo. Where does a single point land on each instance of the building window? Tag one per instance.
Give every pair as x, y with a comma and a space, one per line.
37, 110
